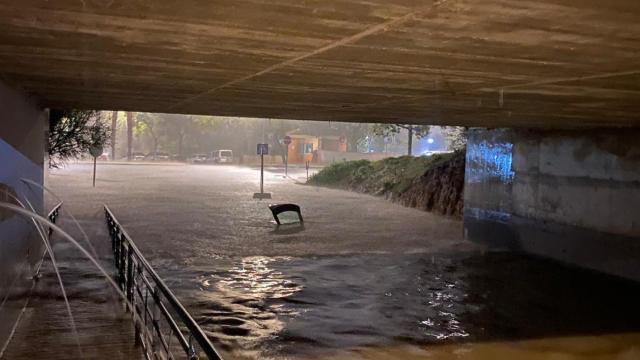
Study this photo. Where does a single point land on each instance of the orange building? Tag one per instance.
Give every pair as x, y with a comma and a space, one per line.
305, 147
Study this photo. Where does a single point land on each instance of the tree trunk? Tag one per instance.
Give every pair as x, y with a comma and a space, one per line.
410, 140
114, 129
129, 134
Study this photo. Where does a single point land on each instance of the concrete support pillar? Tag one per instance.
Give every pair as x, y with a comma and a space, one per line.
22, 144
573, 196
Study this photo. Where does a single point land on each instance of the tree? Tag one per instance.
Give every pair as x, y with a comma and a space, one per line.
130, 125
355, 134
178, 131
456, 137
72, 133
175, 133
276, 130
149, 124
114, 128
418, 131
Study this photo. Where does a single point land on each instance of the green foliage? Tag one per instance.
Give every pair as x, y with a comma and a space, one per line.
419, 131
340, 173
187, 134
387, 130
171, 132
395, 174
72, 133
456, 137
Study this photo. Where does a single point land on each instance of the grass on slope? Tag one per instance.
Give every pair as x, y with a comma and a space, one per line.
377, 177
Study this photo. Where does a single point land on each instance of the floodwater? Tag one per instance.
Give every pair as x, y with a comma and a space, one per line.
363, 279
318, 306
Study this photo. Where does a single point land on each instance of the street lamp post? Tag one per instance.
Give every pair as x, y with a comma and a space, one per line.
286, 141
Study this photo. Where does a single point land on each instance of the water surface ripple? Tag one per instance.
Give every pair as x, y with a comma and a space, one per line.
278, 307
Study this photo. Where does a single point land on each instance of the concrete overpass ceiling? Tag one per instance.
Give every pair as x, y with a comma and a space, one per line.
548, 63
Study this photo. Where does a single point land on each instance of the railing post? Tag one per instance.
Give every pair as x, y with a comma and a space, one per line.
192, 350
112, 232
138, 324
123, 259
130, 275
136, 329
155, 314
116, 250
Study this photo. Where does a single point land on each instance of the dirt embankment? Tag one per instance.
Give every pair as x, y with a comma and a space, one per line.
434, 183
439, 189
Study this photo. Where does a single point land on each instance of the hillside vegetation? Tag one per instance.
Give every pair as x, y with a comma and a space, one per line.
430, 183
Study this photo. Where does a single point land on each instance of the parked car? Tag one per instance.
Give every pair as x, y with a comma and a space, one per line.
199, 158
159, 155
223, 157
136, 155
104, 157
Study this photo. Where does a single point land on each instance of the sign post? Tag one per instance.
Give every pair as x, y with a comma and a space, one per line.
307, 166
262, 150
95, 151
286, 141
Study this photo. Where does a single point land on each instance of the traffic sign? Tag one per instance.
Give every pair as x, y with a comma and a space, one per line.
95, 150
263, 149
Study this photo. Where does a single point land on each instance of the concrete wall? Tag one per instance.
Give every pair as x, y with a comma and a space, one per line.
570, 195
22, 130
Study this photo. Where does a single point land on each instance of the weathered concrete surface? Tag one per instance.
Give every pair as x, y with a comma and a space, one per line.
21, 156
551, 63
572, 196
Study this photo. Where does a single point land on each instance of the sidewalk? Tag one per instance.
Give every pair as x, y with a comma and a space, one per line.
104, 330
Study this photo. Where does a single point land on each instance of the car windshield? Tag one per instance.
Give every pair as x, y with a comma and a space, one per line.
226, 153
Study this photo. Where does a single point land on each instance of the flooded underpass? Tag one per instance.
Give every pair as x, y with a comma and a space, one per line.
364, 278
313, 307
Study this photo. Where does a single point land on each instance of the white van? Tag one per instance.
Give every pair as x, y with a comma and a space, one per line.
223, 157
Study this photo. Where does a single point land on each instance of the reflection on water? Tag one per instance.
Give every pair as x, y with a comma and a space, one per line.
404, 306
287, 229
239, 303
253, 276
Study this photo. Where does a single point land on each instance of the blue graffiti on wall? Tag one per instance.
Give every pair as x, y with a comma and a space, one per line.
489, 161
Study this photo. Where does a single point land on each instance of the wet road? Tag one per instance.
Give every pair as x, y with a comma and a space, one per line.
363, 278
195, 211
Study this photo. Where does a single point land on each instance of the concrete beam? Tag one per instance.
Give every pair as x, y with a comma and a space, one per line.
551, 63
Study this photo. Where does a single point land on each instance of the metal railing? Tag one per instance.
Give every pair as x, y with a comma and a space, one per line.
160, 316
53, 215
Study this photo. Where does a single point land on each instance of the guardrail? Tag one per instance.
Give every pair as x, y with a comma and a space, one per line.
161, 318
